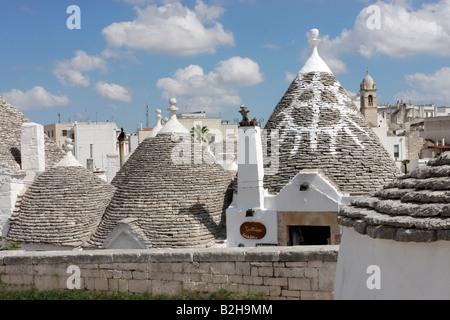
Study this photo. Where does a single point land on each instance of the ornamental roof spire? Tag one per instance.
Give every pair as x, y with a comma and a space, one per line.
69, 160
158, 125
315, 62
173, 125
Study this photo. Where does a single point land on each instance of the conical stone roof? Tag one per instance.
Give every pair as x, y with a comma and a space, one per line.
11, 121
413, 208
319, 127
173, 196
62, 207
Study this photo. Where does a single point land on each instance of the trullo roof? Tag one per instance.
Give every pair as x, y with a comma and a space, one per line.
62, 207
413, 208
172, 190
319, 127
11, 121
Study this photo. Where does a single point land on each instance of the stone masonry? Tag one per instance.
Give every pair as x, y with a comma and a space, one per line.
280, 273
320, 128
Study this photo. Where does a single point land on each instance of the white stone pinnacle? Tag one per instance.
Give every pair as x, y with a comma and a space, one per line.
158, 114
158, 125
172, 109
173, 125
315, 62
68, 145
69, 160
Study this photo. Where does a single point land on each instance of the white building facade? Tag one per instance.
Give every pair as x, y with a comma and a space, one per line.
95, 144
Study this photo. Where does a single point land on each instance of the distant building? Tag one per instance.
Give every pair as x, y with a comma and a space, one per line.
368, 93
438, 129
221, 135
95, 144
410, 133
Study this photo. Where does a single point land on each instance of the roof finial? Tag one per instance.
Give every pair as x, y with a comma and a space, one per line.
173, 125
158, 125
69, 160
314, 38
68, 145
315, 62
172, 109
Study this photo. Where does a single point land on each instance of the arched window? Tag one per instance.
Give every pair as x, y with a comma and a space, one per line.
370, 101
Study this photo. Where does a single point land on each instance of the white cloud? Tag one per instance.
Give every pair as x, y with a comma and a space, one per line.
35, 98
171, 29
290, 76
138, 2
239, 72
271, 46
214, 90
403, 31
427, 87
206, 13
70, 72
112, 91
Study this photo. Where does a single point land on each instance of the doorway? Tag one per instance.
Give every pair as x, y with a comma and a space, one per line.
309, 235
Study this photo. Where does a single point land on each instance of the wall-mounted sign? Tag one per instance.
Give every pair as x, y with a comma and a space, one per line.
253, 230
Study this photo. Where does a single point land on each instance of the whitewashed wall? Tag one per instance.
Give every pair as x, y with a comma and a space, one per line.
10, 188
103, 136
405, 270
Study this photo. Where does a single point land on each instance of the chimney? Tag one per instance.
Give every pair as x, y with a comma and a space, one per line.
33, 147
250, 166
121, 139
90, 162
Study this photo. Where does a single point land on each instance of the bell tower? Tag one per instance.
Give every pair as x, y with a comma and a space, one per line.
368, 94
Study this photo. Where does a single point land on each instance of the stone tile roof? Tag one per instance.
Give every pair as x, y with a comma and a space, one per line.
413, 208
176, 204
320, 128
62, 207
11, 121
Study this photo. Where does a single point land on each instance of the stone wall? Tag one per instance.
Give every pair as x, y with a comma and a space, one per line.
300, 273
414, 145
436, 128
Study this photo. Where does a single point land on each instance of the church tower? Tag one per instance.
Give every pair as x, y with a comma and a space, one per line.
368, 94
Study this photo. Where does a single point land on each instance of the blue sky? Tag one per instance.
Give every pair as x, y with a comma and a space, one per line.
212, 55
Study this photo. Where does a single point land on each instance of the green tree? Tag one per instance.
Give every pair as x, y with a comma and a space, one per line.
405, 163
200, 134
5, 246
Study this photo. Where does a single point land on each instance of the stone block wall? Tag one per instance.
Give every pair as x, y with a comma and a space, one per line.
301, 273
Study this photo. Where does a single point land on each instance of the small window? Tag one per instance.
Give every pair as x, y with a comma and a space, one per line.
64, 133
370, 101
396, 151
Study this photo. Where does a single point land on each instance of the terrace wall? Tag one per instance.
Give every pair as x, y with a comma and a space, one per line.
302, 273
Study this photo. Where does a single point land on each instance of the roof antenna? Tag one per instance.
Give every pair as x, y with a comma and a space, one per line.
146, 116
